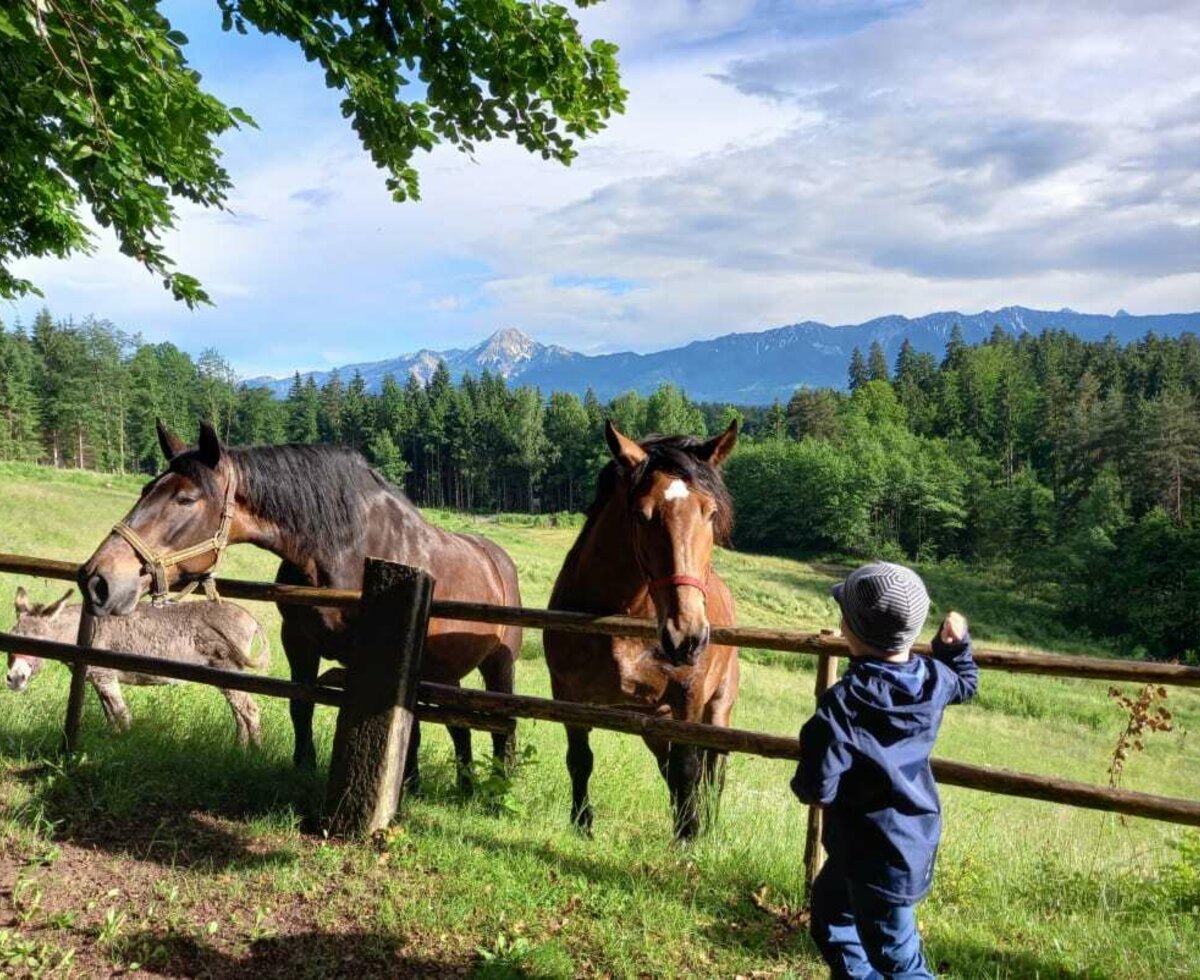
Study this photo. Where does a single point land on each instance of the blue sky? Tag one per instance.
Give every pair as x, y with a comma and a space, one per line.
779, 161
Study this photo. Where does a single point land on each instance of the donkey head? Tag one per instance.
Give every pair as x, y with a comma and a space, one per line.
679, 508
42, 621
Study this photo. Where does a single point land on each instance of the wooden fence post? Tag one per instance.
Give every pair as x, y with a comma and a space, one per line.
87, 629
814, 853
374, 724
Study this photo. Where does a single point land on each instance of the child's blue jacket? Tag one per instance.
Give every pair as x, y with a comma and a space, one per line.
864, 755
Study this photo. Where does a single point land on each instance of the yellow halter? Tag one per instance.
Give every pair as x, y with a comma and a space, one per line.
159, 563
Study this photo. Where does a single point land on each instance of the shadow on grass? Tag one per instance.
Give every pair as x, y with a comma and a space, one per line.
158, 799
958, 960
738, 917
295, 956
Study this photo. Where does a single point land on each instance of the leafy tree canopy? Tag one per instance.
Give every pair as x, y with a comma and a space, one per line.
101, 111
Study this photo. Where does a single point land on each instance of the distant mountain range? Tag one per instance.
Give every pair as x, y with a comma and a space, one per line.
742, 368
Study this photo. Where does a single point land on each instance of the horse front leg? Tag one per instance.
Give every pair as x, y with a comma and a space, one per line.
684, 770
499, 671
579, 765
464, 760
412, 768
304, 661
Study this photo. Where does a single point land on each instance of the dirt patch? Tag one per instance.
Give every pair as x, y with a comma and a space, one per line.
81, 910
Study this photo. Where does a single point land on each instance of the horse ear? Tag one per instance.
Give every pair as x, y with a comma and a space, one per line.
209, 452
21, 601
56, 607
625, 451
170, 444
718, 448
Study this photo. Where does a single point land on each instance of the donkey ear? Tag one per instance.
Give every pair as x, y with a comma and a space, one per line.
625, 451
718, 448
21, 601
57, 606
209, 452
168, 442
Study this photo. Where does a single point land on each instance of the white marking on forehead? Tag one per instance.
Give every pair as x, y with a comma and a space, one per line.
676, 490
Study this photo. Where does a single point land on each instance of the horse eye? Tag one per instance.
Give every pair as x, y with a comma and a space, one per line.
184, 500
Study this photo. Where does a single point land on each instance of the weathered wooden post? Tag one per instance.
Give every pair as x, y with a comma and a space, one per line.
87, 628
374, 724
814, 853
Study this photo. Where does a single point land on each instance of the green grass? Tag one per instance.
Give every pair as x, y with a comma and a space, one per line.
167, 848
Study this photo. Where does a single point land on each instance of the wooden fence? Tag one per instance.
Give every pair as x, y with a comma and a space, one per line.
381, 694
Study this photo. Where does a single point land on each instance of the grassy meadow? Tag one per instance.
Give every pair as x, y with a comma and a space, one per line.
165, 851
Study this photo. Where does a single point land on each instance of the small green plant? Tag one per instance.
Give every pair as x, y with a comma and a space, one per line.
111, 929
261, 929
494, 784
29, 958
503, 959
26, 899
1179, 880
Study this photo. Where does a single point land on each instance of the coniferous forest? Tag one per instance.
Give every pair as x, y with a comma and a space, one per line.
1075, 466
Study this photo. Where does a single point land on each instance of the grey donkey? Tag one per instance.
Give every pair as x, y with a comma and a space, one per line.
214, 634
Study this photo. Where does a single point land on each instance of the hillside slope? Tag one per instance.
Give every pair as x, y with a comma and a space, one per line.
168, 849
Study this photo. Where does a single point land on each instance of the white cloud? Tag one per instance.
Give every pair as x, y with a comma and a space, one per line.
777, 162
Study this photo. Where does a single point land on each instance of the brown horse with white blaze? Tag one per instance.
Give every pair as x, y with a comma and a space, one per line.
322, 509
646, 550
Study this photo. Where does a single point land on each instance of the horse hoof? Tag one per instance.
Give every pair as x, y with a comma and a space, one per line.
582, 822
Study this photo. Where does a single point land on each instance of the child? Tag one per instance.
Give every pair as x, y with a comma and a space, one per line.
865, 755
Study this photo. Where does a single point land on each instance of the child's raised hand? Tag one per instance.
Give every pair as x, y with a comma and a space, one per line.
954, 628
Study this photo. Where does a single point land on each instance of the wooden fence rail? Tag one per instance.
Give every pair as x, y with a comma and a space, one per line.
496, 712
382, 696
788, 641
985, 778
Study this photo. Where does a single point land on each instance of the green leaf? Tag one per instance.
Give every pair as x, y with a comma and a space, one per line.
9, 28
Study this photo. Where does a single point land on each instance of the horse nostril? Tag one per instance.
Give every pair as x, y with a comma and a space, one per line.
98, 591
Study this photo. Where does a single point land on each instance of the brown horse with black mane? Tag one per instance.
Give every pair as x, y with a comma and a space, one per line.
321, 509
646, 550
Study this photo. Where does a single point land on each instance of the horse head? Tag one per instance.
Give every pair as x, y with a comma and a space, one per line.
176, 530
679, 509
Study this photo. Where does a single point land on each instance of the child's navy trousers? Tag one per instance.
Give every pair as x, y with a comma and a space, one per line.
861, 936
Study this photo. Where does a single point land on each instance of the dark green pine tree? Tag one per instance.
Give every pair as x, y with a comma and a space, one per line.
357, 413
877, 369
776, 421
303, 410
570, 452
858, 370
329, 419
956, 348
19, 424
259, 419
813, 413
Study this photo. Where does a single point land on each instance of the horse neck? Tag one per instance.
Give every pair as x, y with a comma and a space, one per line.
317, 556
601, 572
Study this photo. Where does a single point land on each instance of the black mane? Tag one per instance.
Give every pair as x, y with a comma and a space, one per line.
676, 456
315, 492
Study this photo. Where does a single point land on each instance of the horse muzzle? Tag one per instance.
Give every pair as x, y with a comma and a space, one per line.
105, 594
684, 649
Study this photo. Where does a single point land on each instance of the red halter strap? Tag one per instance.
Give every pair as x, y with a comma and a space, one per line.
691, 580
